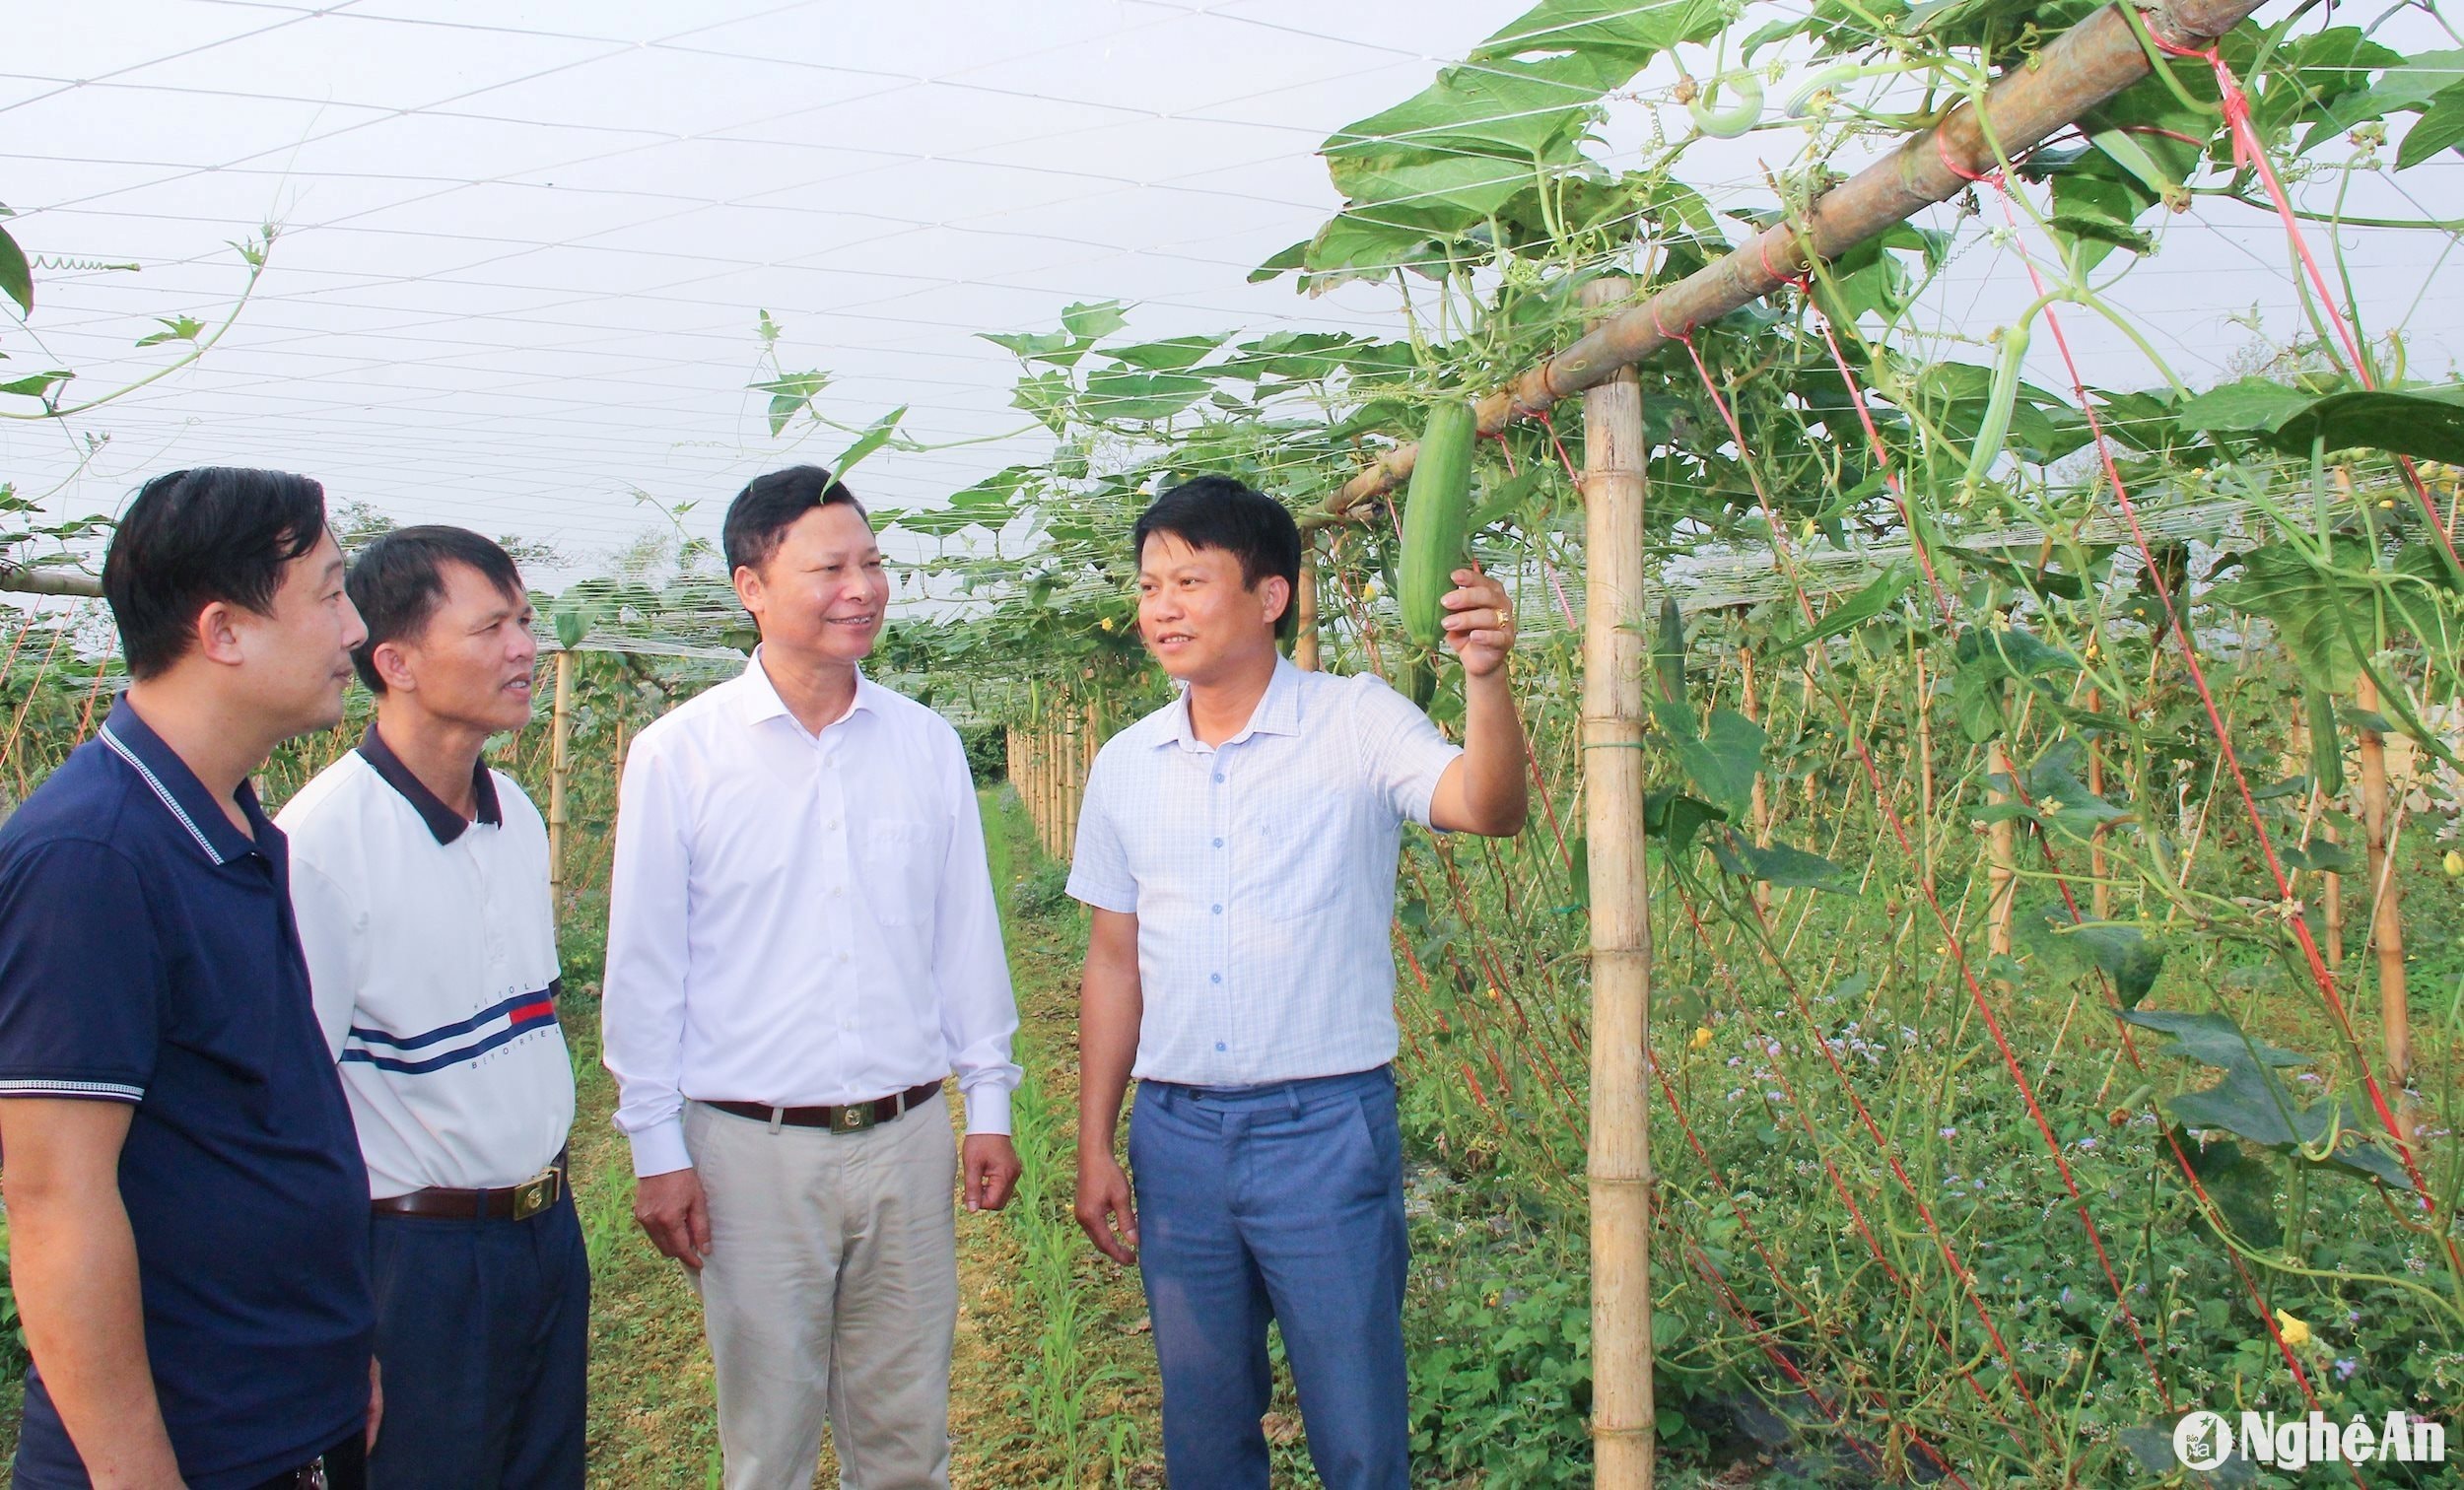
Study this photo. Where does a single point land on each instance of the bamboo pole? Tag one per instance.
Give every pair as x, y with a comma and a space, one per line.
1924, 771
2072, 73
1761, 805
2101, 894
1305, 608
560, 773
1623, 1422
2001, 881
2386, 911
2334, 889
35, 581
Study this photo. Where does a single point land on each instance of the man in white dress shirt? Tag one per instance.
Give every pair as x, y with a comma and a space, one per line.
420, 880
1238, 848
802, 944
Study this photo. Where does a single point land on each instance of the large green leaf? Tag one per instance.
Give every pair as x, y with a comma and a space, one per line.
1631, 31
2254, 1103
17, 277
1172, 355
1093, 321
1141, 397
1779, 865
2439, 128
1723, 763
1861, 607
1675, 818
2426, 421
2062, 799
877, 434
2307, 606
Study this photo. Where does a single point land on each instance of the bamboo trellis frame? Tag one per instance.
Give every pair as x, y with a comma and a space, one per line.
2081, 69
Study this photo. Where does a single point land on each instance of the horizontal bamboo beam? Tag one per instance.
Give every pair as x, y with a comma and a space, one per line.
38, 581
2078, 70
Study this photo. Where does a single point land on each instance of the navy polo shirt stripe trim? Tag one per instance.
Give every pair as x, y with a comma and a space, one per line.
518, 1006
36, 1086
535, 1016
165, 792
444, 823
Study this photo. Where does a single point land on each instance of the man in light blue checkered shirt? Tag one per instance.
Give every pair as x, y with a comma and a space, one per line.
1238, 848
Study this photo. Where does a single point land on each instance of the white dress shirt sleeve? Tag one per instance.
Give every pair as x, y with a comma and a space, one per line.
332, 929
1099, 869
641, 1000
1401, 753
970, 968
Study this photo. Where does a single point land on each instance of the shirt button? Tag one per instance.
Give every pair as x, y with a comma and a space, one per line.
1218, 843
1218, 1045
1214, 977
1218, 910
842, 957
1218, 778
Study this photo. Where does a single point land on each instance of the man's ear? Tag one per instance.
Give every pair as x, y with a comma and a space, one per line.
749, 591
395, 668
215, 633
1275, 598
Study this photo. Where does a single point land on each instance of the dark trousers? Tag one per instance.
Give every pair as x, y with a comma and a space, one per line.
483, 1330
346, 1465
1281, 1202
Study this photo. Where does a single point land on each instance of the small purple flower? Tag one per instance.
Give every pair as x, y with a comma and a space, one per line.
2087, 1143
2345, 1367
1950, 1132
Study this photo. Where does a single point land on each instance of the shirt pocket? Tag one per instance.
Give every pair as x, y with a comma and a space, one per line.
1308, 874
894, 857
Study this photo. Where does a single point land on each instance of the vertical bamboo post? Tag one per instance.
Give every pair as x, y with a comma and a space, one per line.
2386, 912
2102, 893
2001, 881
1924, 771
1750, 707
1305, 608
560, 772
2334, 891
1623, 1422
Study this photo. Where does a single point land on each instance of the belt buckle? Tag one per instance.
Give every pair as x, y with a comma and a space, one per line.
534, 1195
853, 1117
313, 1476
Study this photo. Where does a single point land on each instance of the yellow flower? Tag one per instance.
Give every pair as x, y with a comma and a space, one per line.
2293, 1330
1702, 1035
1493, 991
1106, 623
2454, 865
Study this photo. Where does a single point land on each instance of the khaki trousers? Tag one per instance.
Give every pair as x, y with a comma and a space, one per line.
830, 1293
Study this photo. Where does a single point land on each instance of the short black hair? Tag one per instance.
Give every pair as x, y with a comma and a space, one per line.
768, 506
397, 582
197, 536
1218, 512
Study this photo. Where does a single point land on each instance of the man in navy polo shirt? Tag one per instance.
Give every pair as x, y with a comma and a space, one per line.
187, 1208
420, 881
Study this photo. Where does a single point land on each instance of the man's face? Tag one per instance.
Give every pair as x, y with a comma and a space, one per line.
295, 661
822, 591
472, 663
1193, 612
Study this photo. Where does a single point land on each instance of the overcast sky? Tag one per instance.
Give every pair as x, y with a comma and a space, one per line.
524, 242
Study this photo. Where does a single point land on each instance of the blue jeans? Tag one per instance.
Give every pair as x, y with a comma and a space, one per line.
1282, 1202
483, 1328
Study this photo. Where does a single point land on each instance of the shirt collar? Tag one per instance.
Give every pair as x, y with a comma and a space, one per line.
443, 821
179, 791
1277, 711
758, 697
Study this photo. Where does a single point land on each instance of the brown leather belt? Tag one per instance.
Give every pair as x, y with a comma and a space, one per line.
515, 1202
853, 1117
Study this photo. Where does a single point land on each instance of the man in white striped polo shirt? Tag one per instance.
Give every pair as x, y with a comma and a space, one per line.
420, 878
